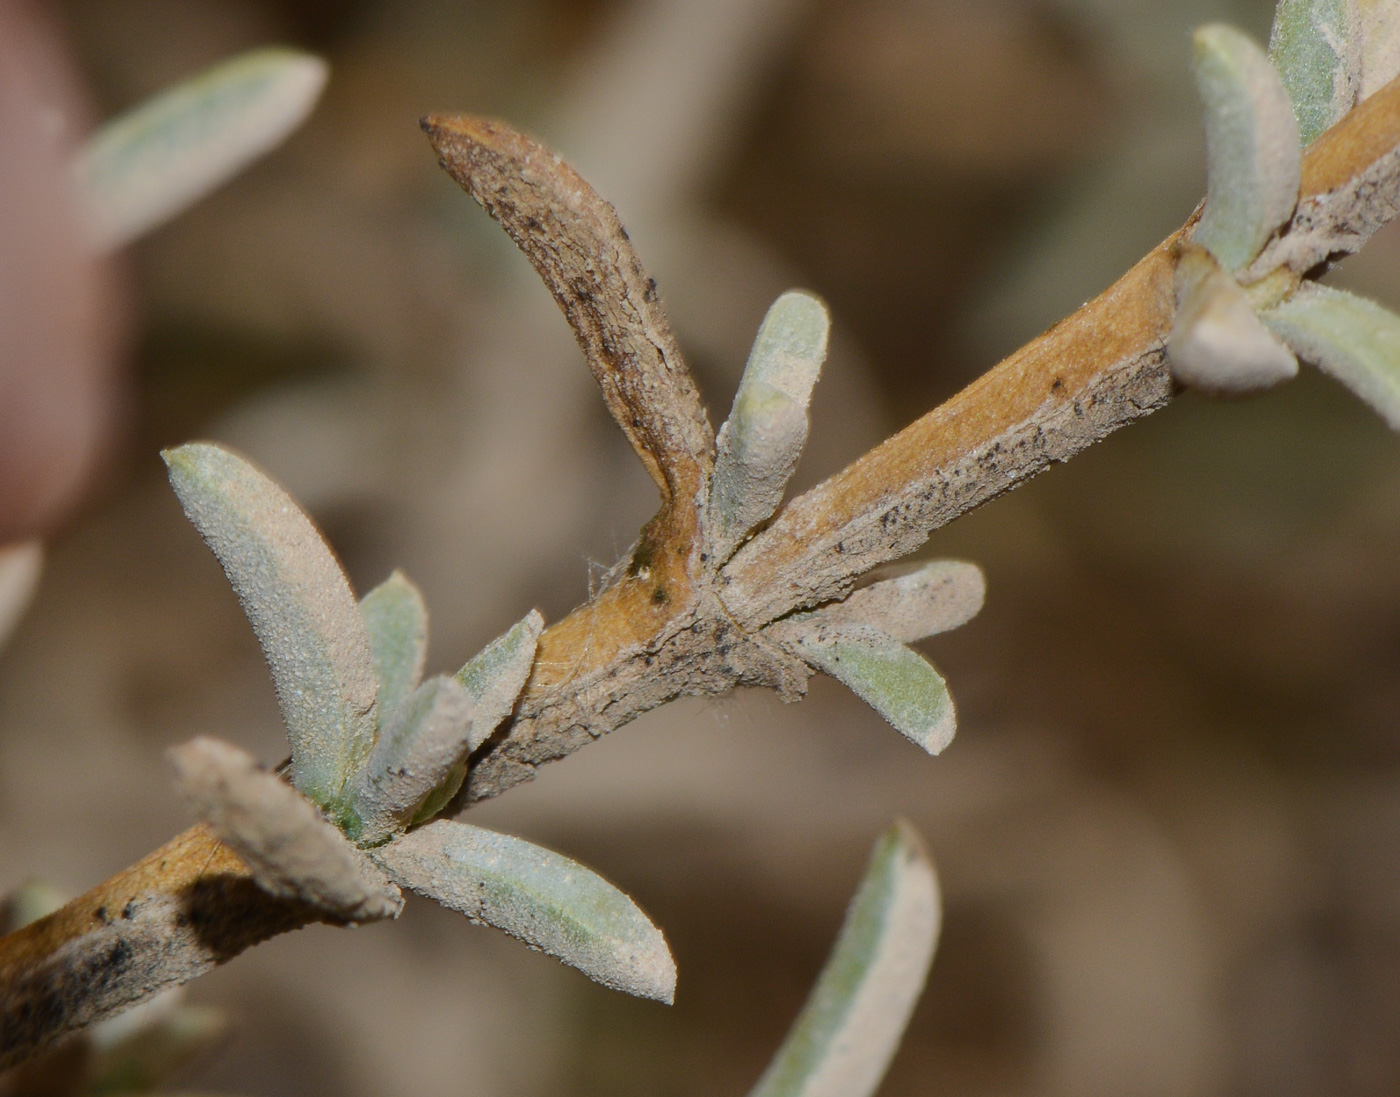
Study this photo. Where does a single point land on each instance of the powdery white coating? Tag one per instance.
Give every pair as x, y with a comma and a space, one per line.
21, 564
937, 597
1380, 44
896, 681
396, 620
493, 680
292, 851
1316, 47
300, 605
1355, 340
842, 1042
1253, 155
428, 736
546, 900
1217, 343
758, 446
495, 676
159, 159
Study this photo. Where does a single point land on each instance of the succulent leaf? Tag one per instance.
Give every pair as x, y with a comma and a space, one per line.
493, 680
1355, 340
1314, 46
544, 899
843, 1040
300, 606
1253, 158
759, 444
896, 681
1217, 343
292, 851
150, 164
396, 620
936, 597
424, 741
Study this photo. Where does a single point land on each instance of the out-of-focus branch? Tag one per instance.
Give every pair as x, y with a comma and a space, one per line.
641, 643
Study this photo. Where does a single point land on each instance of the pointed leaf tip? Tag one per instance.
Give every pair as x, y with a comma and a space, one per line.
150, 164
1217, 344
292, 851
493, 679
396, 620
1355, 340
760, 443
538, 896
429, 736
1253, 156
300, 605
843, 1041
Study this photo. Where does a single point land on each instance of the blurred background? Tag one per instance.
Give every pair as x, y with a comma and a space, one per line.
1169, 828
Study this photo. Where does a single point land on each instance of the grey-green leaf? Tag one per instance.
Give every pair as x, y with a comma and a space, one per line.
300, 606
1253, 158
1355, 340
759, 444
1380, 44
21, 564
397, 622
291, 850
493, 679
896, 681
1217, 343
544, 899
936, 597
427, 738
150, 164
1314, 45
843, 1040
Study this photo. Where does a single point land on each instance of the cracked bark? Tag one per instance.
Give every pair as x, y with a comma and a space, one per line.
677, 624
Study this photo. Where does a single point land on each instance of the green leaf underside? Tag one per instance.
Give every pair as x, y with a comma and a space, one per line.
151, 163
493, 680
842, 1042
1312, 47
759, 444
897, 682
538, 896
301, 608
428, 737
1253, 158
397, 623
1355, 340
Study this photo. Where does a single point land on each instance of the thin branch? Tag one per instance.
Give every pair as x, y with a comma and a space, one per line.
576, 243
682, 628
